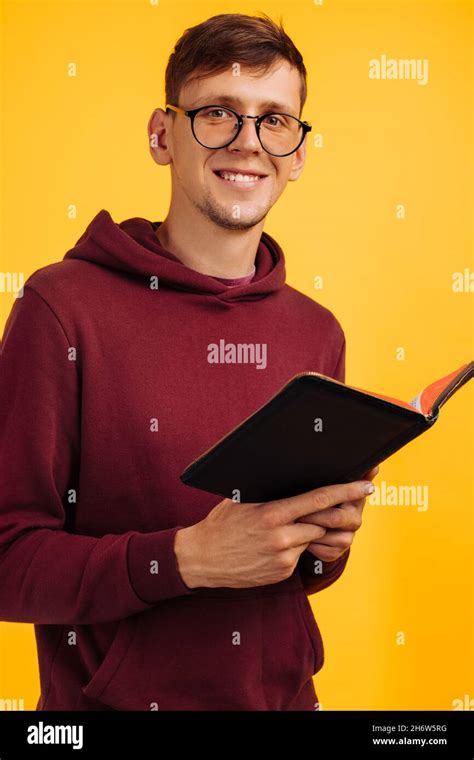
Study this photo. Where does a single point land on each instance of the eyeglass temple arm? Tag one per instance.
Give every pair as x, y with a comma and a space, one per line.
175, 108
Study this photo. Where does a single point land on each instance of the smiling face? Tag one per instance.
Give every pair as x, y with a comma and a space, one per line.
236, 186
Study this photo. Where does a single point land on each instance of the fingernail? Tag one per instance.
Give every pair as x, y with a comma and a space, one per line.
369, 487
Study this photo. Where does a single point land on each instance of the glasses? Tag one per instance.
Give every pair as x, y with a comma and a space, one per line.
214, 127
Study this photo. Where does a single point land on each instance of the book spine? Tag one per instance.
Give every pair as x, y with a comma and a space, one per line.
453, 386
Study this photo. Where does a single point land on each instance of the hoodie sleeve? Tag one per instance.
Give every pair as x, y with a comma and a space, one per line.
49, 575
317, 575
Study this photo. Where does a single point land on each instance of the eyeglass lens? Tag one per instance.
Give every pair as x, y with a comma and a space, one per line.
215, 127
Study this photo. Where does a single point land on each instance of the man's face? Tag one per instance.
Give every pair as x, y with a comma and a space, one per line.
230, 204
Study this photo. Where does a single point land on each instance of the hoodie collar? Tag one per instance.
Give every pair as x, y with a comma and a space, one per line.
132, 246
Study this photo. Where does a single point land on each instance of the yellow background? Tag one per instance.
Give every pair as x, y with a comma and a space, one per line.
83, 141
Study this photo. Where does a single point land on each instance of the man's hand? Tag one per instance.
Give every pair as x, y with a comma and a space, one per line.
340, 522
244, 545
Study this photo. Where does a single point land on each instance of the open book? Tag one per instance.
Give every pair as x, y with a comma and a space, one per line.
316, 431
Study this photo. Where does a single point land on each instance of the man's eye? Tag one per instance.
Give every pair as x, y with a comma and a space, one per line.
217, 113
273, 121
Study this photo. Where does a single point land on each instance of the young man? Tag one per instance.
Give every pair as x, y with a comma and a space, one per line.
147, 594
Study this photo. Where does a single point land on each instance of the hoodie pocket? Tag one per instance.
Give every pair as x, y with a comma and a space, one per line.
293, 647
188, 653
114, 656
312, 630
213, 651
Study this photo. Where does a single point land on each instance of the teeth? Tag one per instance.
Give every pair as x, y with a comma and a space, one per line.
239, 177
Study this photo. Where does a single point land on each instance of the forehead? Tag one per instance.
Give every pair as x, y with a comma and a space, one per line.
278, 88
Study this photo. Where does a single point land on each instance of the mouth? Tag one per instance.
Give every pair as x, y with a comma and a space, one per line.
239, 177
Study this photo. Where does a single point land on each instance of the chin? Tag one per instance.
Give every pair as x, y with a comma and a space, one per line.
244, 223
223, 216
237, 224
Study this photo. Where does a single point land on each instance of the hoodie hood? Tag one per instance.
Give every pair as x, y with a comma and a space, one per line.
132, 246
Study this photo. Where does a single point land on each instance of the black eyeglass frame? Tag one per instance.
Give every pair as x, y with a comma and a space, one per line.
191, 114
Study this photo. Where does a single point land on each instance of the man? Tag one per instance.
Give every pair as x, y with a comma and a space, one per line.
147, 594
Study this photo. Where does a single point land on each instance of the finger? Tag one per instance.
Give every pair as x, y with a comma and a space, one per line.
326, 553
341, 539
346, 517
286, 511
299, 533
371, 473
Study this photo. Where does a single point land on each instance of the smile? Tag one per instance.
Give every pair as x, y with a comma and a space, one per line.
239, 179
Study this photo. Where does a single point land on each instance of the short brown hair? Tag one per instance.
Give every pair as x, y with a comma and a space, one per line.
220, 41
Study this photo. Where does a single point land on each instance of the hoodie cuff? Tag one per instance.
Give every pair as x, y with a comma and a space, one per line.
153, 566
330, 571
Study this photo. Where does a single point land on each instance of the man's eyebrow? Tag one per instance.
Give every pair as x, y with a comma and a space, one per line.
233, 102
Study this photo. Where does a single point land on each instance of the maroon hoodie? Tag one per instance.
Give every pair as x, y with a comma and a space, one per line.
106, 395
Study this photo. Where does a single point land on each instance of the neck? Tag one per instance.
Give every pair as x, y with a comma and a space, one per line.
202, 245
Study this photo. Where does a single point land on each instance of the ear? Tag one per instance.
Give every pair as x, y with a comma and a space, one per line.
159, 136
299, 158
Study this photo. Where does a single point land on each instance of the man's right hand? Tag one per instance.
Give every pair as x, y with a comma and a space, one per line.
240, 545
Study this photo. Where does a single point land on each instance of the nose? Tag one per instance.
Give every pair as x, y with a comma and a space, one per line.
247, 139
